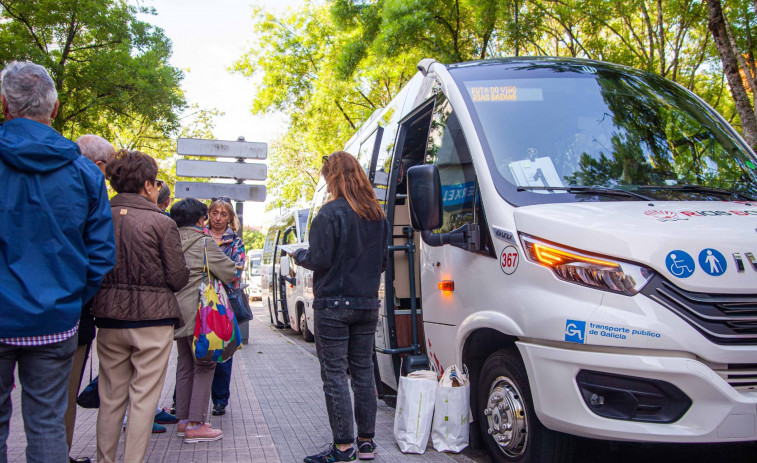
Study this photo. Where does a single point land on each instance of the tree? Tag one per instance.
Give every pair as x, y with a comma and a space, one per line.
734, 65
296, 56
253, 239
106, 64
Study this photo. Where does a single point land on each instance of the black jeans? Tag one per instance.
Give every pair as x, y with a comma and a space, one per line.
345, 337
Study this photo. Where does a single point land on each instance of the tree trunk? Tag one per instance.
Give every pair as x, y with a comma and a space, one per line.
716, 24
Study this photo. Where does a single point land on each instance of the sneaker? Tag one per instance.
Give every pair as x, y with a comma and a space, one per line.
165, 418
219, 410
202, 433
158, 429
366, 449
181, 427
332, 454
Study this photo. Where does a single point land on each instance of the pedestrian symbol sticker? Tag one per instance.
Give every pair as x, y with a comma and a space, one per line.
712, 262
680, 263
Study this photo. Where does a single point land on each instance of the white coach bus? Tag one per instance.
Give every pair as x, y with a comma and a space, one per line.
583, 237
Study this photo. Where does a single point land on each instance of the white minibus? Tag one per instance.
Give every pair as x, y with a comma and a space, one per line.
581, 236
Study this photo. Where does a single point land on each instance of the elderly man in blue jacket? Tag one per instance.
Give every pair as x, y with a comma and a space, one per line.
56, 245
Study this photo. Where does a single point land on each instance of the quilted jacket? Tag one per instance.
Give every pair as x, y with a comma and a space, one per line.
149, 267
193, 243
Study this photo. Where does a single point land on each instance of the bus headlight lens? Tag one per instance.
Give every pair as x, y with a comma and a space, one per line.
587, 269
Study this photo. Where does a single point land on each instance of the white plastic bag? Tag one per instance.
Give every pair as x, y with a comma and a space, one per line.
451, 424
415, 409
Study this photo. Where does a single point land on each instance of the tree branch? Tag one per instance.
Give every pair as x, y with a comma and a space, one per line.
349, 121
39, 43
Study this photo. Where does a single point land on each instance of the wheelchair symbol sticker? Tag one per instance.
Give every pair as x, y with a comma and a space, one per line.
680, 264
712, 262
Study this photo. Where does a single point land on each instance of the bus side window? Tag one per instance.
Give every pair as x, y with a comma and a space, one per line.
447, 149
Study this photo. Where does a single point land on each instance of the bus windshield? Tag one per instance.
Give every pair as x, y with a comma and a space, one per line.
557, 131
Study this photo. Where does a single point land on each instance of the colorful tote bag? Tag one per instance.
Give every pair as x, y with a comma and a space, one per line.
216, 335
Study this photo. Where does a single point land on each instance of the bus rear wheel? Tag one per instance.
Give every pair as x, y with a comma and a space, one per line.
307, 335
506, 416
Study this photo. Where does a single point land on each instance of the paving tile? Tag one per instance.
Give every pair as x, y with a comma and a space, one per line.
276, 413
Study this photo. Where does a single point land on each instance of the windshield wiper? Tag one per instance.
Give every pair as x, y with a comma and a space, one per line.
590, 190
688, 188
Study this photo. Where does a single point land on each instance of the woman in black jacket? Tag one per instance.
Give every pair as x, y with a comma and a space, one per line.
347, 253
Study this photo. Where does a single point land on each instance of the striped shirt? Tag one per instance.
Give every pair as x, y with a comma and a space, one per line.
41, 340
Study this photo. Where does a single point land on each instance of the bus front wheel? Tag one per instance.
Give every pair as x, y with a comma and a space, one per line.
506, 416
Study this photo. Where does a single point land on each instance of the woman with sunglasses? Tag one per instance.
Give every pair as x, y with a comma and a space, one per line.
348, 252
135, 308
222, 226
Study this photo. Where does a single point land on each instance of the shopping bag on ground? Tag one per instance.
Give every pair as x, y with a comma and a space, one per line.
415, 409
451, 425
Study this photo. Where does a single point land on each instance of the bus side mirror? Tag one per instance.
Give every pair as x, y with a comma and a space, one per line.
284, 266
424, 190
425, 195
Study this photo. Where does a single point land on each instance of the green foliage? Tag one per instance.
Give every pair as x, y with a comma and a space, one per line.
297, 56
328, 67
106, 64
111, 72
253, 239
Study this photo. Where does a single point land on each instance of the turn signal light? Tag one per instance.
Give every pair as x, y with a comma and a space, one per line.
447, 285
587, 269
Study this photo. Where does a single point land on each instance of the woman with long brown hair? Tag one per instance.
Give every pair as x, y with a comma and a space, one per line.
347, 253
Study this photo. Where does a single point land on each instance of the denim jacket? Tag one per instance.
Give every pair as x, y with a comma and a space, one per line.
347, 256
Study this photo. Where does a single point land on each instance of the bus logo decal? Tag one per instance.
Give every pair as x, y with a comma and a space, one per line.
503, 234
575, 331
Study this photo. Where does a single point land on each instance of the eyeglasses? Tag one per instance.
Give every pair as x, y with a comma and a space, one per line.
325, 159
225, 199
159, 183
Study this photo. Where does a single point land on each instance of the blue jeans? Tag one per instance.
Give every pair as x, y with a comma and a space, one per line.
43, 372
345, 338
219, 391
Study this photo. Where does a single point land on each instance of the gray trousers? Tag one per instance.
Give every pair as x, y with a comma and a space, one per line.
193, 380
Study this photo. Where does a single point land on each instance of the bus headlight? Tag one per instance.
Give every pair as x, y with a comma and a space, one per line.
587, 269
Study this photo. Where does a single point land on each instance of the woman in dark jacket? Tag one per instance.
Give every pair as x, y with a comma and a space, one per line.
347, 253
135, 309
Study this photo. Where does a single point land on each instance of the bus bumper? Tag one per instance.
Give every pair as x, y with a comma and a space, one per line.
718, 412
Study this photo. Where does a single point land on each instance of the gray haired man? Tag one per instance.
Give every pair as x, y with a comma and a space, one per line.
56, 245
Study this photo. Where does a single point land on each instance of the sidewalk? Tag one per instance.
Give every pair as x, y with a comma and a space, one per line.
276, 413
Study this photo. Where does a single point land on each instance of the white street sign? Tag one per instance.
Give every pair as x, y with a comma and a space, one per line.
235, 191
214, 169
221, 148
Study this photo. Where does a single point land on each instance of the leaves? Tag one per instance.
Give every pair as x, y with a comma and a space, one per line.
109, 68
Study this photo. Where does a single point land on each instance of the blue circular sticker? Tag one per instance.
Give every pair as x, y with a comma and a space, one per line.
680, 264
712, 262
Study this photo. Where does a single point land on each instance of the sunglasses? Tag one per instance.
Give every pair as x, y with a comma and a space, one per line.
225, 199
159, 183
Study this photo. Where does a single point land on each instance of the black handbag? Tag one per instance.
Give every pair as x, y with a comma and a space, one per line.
240, 306
90, 396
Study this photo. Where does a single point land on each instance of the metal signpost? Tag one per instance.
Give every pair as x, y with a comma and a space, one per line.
238, 171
